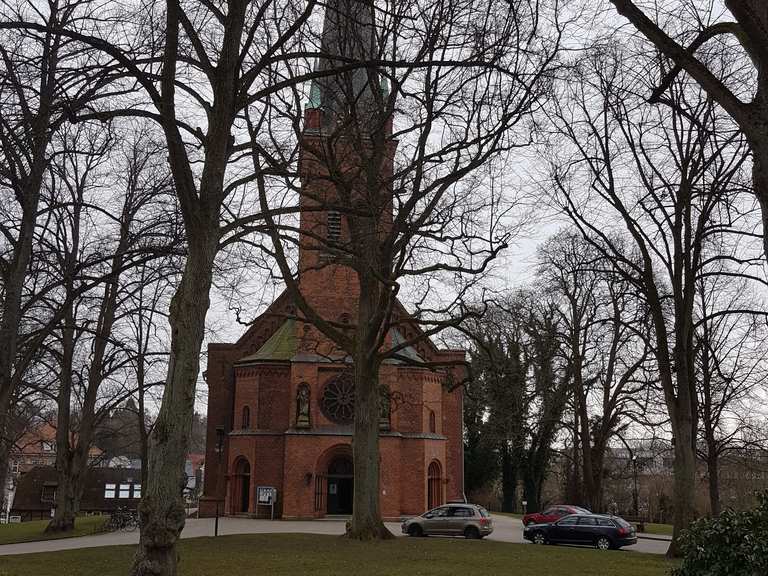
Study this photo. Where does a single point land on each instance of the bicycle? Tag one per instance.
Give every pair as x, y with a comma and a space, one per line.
123, 519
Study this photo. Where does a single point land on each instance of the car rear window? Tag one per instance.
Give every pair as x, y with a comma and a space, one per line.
483, 512
623, 523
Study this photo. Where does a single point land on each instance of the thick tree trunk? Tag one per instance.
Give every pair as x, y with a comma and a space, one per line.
508, 480
598, 456
575, 490
587, 472
72, 472
64, 517
713, 471
3, 482
162, 512
11, 307
366, 523
531, 492
684, 484
143, 433
760, 182
67, 496
67, 492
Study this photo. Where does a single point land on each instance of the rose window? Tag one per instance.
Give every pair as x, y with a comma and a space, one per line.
338, 401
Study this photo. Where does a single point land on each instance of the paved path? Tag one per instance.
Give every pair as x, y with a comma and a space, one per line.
505, 530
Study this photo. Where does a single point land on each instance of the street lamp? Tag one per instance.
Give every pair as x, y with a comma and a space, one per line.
635, 491
219, 450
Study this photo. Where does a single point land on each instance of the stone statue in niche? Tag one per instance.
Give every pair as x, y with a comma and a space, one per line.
385, 408
302, 407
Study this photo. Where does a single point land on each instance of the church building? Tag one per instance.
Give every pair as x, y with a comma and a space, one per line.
280, 406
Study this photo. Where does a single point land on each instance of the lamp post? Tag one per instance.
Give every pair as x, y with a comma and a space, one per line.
635, 495
219, 450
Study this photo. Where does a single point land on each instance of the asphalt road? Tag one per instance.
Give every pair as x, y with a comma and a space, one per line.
505, 530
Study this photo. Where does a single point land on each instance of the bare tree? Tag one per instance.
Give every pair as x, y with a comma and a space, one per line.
689, 53
730, 337
600, 321
97, 235
43, 79
399, 144
662, 172
195, 63
148, 351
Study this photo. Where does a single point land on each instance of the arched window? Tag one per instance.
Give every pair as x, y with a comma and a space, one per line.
432, 422
245, 422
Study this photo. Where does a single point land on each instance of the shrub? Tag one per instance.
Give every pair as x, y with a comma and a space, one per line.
734, 544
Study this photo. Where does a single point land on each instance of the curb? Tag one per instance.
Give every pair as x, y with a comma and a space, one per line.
656, 538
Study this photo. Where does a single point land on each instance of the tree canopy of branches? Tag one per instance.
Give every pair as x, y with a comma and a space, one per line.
692, 51
44, 79
670, 176
600, 319
405, 151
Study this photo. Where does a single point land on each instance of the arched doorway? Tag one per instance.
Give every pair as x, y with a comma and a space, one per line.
434, 485
241, 493
341, 485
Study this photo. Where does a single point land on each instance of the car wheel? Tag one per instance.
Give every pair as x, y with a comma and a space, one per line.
471, 533
539, 538
415, 530
603, 543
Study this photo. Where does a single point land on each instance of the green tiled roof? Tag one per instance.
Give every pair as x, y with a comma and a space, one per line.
280, 346
407, 352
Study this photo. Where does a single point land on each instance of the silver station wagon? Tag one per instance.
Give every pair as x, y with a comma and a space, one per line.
468, 520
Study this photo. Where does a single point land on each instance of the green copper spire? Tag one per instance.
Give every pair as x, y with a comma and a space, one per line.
348, 35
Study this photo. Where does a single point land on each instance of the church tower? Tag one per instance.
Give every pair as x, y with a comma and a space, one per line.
280, 402
341, 120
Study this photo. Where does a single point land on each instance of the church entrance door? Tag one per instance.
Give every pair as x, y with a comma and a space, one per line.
341, 485
242, 491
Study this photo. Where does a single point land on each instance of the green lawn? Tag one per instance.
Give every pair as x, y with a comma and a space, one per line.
35, 530
661, 529
508, 515
315, 555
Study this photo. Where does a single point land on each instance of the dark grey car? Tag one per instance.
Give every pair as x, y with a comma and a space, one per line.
468, 520
600, 531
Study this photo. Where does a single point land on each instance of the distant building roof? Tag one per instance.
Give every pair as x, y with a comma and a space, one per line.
29, 490
31, 442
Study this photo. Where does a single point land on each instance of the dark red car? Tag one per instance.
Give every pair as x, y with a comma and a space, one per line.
553, 514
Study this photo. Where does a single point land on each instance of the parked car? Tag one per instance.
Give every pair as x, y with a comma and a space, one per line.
603, 532
553, 514
468, 520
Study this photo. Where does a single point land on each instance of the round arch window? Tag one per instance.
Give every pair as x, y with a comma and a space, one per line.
338, 400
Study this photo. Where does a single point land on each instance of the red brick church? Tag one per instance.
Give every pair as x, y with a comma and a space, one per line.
280, 403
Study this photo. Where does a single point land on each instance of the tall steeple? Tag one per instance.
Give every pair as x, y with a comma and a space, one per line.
348, 36
343, 114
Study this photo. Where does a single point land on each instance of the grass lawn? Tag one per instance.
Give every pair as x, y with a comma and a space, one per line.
661, 529
315, 555
508, 515
33, 531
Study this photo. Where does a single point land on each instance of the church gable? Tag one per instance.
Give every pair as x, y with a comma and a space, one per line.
281, 345
265, 326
